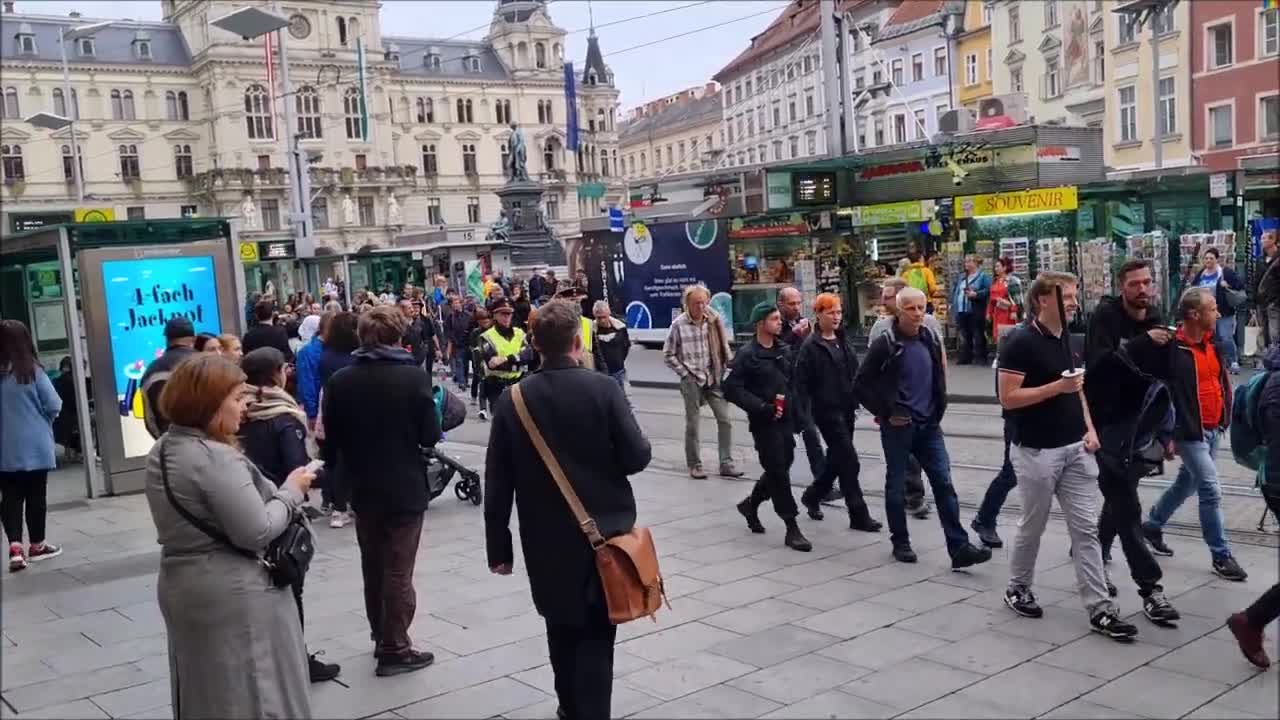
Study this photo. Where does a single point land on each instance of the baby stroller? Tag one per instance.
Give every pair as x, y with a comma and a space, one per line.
441, 469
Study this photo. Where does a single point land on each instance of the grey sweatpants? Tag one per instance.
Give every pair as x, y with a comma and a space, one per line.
1070, 474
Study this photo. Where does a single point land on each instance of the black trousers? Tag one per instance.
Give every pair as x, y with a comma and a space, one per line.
582, 661
842, 462
973, 336
492, 388
24, 492
1122, 518
1265, 609
776, 447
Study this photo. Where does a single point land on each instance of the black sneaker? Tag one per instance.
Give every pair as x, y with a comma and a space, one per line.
969, 555
904, 553
1109, 623
865, 523
1226, 568
1023, 602
1155, 538
1158, 610
752, 514
987, 534
322, 671
406, 662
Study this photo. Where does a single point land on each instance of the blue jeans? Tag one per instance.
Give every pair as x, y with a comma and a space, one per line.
620, 377
1003, 484
1198, 475
925, 442
461, 364
1225, 333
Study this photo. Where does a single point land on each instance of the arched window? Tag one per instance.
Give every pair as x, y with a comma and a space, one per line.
502, 112
129, 168
426, 110
549, 152
604, 163
353, 30
117, 106
130, 112
342, 31
600, 120
505, 150
464, 108
171, 105
540, 55
430, 161
591, 77
68, 164
522, 54
544, 112
556, 52
308, 108
469, 165
354, 117
11, 163
182, 164
75, 104
184, 109
10, 107
257, 113
59, 102
473, 64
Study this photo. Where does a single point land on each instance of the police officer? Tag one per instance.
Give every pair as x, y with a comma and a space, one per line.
592, 359
759, 381
505, 353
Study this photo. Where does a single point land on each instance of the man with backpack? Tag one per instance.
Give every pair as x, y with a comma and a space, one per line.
1201, 393
1255, 420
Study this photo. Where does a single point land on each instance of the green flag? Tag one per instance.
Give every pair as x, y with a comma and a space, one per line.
475, 279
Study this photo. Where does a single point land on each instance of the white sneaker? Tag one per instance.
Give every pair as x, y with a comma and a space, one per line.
338, 519
484, 415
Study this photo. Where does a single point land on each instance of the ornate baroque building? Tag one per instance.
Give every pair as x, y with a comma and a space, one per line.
179, 117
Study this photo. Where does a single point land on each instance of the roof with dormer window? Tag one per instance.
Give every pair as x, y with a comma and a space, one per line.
454, 58
112, 45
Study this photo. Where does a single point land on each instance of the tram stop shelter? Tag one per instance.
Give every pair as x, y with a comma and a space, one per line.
96, 297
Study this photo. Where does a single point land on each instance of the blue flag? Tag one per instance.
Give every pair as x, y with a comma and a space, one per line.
571, 109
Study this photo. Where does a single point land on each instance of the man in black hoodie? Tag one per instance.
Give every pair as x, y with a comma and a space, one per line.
378, 415
180, 338
759, 381
265, 332
1126, 331
824, 375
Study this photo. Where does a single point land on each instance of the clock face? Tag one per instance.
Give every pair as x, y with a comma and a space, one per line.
299, 27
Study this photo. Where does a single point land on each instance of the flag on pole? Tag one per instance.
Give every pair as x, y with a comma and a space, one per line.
571, 109
364, 90
269, 48
474, 279
1271, 4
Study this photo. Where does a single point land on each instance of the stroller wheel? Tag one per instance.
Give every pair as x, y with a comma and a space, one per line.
460, 490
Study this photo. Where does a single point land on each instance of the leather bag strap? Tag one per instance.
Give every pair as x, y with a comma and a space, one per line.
585, 522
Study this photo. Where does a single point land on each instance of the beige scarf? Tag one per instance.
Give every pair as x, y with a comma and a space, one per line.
270, 401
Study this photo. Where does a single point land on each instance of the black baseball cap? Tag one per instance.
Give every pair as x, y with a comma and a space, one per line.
571, 292
501, 305
178, 327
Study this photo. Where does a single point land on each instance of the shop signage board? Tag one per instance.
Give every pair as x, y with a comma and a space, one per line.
278, 250
22, 222
1218, 185
1017, 203
660, 260
752, 228
778, 191
92, 215
891, 213
248, 252
810, 189
938, 159
1058, 153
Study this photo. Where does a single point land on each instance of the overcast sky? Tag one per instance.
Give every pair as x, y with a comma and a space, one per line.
641, 74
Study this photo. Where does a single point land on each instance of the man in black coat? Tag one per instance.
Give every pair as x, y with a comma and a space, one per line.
419, 334
759, 382
265, 333
180, 341
378, 414
567, 403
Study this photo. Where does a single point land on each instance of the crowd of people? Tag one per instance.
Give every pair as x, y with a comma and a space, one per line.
259, 435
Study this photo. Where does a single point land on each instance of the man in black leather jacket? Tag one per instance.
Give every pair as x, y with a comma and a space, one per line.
759, 382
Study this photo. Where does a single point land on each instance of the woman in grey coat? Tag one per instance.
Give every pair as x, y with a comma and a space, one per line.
235, 640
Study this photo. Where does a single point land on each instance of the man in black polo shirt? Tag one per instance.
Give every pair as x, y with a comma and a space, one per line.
1052, 452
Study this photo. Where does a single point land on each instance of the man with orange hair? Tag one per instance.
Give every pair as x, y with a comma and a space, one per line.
825, 368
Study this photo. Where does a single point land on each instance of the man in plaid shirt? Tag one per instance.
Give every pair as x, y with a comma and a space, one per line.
697, 350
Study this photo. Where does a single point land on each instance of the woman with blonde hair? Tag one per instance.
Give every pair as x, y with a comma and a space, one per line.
235, 642
231, 347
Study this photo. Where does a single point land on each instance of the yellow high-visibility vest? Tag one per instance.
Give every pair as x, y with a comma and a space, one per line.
588, 360
504, 348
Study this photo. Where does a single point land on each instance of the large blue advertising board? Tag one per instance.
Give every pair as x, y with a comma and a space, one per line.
661, 259
141, 296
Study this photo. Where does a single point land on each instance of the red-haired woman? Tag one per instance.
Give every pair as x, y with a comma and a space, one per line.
1005, 306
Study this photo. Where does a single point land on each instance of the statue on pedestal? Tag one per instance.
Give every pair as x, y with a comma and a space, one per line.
393, 211
249, 213
348, 210
517, 168
501, 227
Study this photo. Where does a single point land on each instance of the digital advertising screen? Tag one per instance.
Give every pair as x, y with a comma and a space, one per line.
141, 296
662, 259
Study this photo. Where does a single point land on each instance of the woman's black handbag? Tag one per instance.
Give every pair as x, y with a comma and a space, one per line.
286, 558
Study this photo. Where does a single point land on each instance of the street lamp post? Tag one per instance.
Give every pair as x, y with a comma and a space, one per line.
250, 23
